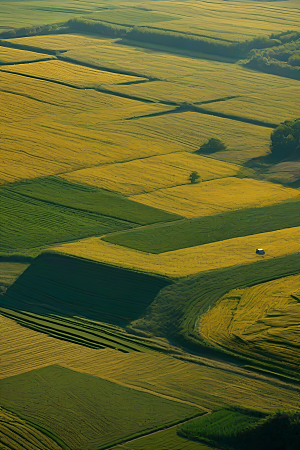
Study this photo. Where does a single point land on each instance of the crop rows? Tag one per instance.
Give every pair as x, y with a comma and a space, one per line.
12, 55
17, 434
261, 320
73, 412
71, 74
150, 174
26, 222
168, 237
23, 350
188, 261
217, 196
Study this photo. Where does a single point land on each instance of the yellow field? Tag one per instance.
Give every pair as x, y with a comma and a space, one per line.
192, 260
266, 106
67, 132
175, 92
266, 317
244, 141
12, 55
28, 437
22, 349
148, 174
212, 197
70, 73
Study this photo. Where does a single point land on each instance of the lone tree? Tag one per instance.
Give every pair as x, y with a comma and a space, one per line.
285, 140
194, 177
211, 146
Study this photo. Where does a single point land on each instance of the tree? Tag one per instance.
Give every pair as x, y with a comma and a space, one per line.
285, 140
194, 177
211, 146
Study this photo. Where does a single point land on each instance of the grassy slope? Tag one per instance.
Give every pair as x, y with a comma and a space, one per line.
10, 271
80, 287
189, 233
85, 198
85, 411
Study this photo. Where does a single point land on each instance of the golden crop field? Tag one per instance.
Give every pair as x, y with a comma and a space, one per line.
191, 260
70, 73
29, 438
67, 132
265, 317
169, 91
238, 22
12, 55
216, 196
205, 386
244, 141
149, 174
264, 106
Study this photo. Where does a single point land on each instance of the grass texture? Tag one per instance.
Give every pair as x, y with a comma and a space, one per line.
85, 411
71, 74
10, 272
204, 230
260, 321
189, 261
58, 191
151, 174
217, 196
206, 385
13, 428
80, 287
26, 222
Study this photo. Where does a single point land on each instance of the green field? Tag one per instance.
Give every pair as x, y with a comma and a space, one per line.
75, 286
185, 233
89, 199
10, 271
85, 411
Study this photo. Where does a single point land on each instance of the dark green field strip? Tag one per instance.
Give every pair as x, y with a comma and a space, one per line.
177, 309
83, 332
86, 198
204, 230
73, 286
27, 223
87, 412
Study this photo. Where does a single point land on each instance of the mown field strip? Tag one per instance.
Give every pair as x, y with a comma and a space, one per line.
188, 261
150, 174
261, 320
216, 196
22, 350
166, 237
76, 75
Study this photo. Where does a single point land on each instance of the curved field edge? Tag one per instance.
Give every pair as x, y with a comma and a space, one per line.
178, 308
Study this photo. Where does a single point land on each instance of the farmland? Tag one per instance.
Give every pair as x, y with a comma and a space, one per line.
167, 237
212, 197
150, 174
135, 312
57, 385
264, 316
188, 261
70, 74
